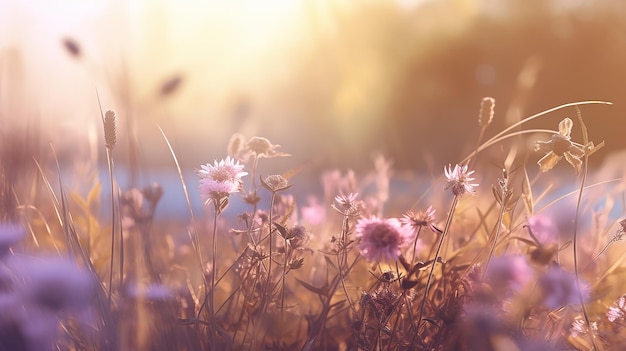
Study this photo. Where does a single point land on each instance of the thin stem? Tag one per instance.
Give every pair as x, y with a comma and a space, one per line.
110, 165
432, 268
193, 234
212, 316
503, 204
575, 235
417, 235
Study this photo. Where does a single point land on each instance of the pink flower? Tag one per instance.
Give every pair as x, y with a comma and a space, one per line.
225, 170
381, 238
416, 220
543, 228
459, 180
313, 213
220, 179
509, 272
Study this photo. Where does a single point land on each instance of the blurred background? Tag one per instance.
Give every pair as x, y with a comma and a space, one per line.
332, 81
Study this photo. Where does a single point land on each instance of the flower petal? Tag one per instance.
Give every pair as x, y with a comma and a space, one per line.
548, 161
565, 127
544, 146
576, 151
574, 161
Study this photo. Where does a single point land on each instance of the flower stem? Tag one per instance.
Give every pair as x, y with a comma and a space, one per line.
455, 201
212, 315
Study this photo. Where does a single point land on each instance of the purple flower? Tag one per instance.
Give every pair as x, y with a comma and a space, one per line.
560, 288
459, 180
381, 238
220, 179
55, 284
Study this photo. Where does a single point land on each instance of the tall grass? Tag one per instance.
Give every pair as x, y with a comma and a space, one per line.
349, 274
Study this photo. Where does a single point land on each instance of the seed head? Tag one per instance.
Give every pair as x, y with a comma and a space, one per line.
487, 110
110, 129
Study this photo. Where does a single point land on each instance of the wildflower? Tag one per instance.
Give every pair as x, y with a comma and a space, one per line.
275, 183
381, 238
543, 228
348, 203
55, 284
262, 147
416, 220
560, 146
459, 180
509, 272
220, 179
617, 309
559, 288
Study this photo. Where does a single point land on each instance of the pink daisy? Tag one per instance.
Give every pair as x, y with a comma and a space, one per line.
459, 180
382, 238
220, 179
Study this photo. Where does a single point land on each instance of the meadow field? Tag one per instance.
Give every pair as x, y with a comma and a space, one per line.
413, 175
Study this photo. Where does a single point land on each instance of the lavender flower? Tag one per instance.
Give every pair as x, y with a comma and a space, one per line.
55, 284
220, 179
559, 288
41, 293
381, 238
459, 180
